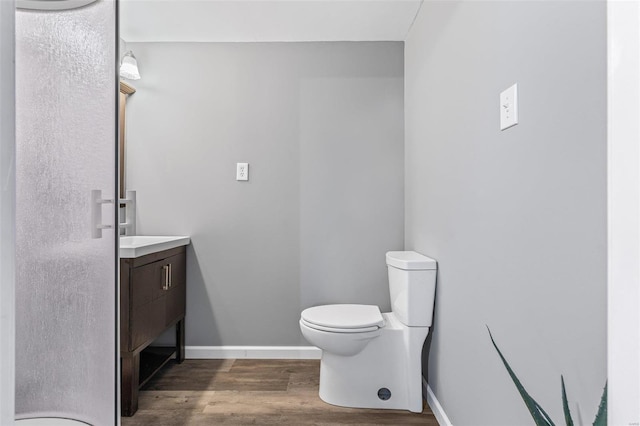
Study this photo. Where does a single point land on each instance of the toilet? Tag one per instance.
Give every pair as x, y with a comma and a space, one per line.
372, 359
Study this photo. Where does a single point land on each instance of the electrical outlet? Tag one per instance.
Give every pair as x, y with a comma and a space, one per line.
509, 107
242, 171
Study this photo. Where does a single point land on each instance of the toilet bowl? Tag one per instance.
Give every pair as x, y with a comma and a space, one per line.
341, 329
372, 359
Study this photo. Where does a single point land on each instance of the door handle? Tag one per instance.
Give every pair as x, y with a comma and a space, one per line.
167, 274
96, 213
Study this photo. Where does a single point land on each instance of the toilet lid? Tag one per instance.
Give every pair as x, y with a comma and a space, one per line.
344, 316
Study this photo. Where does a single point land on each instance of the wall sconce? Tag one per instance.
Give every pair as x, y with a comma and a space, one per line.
129, 67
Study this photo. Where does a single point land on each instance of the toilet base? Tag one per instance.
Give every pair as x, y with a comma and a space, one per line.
387, 374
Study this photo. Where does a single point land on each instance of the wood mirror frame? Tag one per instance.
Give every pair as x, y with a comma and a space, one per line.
125, 91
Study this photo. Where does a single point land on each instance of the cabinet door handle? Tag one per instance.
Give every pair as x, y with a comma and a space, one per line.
167, 271
170, 276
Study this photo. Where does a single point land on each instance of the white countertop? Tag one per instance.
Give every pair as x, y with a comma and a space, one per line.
141, 245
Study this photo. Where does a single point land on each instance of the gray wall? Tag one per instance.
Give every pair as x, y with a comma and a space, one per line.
322, 127
516, 219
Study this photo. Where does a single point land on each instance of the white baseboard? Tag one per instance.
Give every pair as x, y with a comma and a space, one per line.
436, 408
252, 352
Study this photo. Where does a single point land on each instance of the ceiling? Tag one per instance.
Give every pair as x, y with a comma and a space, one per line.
266, 20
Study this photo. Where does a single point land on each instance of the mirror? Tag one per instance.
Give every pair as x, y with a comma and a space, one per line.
126, 90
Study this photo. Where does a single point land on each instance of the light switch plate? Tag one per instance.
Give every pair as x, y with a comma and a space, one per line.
509, 107
242, 171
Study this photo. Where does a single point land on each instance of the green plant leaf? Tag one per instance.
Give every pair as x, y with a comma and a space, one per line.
601, 417
539, 415
565, 404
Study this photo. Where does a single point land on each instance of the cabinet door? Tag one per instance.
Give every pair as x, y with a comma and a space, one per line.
176, 295
148, 309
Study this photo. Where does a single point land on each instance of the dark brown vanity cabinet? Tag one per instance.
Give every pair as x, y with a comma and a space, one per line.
152, 299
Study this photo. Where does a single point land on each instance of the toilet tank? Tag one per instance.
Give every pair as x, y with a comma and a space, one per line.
412, 287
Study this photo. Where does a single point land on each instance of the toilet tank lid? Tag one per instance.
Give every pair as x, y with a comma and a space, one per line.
344, 316
410, 261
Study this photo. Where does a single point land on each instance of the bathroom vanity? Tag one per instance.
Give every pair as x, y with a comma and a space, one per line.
152, 300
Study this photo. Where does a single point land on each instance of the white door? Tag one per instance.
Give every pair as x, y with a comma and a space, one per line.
66, 133
7, 204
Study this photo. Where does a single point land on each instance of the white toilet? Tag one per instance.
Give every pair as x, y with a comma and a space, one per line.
372, 359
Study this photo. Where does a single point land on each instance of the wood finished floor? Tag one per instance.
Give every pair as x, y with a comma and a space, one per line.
251, 392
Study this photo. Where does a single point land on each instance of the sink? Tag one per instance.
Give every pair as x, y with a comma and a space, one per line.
141, 245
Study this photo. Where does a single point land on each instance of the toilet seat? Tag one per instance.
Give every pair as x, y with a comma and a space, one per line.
345, 318
338, 330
